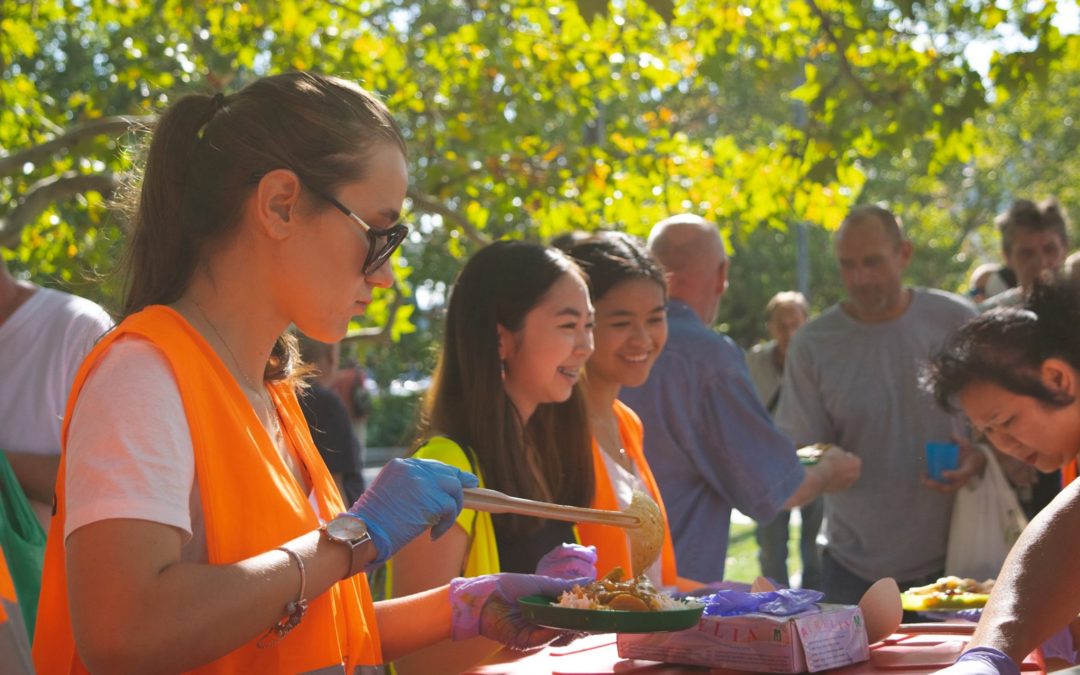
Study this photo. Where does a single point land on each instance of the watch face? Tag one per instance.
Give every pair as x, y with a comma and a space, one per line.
346, 528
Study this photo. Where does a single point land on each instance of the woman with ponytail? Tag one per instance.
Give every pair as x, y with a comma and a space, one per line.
1016, 374
196, 528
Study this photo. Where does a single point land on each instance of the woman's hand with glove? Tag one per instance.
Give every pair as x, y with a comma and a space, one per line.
408, 497
569, 561
487, 606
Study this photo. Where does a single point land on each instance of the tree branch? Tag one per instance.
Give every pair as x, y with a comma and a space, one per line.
49, 190
348, 8
379, 334
10, 164
431, 205
845, 65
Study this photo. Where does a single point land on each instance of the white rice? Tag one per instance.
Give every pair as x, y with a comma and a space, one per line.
576, 599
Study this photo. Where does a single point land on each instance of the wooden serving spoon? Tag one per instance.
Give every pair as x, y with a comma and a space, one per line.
642, 519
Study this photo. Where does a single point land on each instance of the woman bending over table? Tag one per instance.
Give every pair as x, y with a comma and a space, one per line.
1016, 373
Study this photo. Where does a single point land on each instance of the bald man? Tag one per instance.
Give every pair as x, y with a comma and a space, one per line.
710, 442
851, 378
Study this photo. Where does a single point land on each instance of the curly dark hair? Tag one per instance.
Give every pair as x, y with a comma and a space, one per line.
1007, 347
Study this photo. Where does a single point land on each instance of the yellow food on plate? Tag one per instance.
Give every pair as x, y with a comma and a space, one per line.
948, 593
616, 592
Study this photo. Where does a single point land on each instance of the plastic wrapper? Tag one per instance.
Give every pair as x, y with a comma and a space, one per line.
784, 602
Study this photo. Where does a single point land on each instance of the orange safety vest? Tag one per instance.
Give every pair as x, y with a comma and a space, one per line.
250, 502
7, 588
1068, 473
612, 548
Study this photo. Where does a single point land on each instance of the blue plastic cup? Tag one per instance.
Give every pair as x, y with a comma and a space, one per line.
941, 456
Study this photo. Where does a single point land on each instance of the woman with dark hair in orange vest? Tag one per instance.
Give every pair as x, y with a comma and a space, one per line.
196, 528
628, 290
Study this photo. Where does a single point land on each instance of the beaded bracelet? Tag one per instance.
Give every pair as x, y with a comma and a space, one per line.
294, 611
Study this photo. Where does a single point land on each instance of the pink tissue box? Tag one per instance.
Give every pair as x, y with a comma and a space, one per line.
827, 637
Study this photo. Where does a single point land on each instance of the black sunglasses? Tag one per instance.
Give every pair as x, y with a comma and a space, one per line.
381, 243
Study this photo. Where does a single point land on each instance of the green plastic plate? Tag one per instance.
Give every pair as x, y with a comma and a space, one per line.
539, 610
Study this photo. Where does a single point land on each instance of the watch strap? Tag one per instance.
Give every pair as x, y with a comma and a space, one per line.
356, 562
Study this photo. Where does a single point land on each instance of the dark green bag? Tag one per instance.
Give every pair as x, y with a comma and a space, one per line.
23, 542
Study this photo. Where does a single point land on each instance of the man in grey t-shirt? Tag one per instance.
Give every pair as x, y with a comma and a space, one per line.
851, 379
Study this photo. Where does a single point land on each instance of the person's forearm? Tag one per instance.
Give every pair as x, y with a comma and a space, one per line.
1038, 590
413, 622
36, 474
188, 615
810, 489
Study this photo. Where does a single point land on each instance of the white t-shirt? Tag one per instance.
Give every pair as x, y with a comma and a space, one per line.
129, 451
42, 346
857, 385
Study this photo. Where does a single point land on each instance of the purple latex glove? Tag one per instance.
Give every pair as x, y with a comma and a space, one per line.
1060, 647
713, 587
784, 602
408, 497
982, 661
487, 605
568, 561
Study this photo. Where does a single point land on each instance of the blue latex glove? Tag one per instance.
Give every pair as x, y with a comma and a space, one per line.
784, 602
568, 561
487, 606
982, 661
408, 497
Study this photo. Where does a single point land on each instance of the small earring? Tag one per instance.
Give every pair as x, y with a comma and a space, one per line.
502, 369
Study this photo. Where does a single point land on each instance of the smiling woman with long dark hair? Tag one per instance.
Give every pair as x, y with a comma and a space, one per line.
505, 404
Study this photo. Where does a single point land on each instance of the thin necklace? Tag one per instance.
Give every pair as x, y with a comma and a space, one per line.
611, 430
260, 392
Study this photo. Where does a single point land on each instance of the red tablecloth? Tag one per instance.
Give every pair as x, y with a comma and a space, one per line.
916, 648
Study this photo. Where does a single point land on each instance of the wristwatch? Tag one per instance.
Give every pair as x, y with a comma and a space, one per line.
352, 532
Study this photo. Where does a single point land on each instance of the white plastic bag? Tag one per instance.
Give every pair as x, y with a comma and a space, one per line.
986, 522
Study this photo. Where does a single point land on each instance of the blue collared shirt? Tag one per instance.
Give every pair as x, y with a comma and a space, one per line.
710, 442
